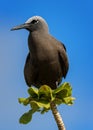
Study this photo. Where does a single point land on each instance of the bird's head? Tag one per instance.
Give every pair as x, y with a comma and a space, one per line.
33, 24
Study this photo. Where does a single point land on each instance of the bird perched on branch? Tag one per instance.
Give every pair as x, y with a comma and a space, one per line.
47, 61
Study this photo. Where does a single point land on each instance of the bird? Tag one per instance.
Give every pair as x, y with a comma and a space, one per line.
47, 61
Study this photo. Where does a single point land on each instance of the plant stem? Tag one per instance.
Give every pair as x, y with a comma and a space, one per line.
57, 116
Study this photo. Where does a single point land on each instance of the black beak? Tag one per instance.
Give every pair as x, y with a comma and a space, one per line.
22, 26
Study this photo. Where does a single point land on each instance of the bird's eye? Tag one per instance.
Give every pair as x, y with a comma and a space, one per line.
34, 21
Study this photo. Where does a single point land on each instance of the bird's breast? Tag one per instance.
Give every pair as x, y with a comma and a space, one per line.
41, 47
44, 52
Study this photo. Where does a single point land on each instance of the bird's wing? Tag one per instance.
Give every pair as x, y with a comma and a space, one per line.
30, 71
63, 46
63, 58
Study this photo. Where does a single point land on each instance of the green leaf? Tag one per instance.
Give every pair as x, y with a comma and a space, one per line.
21, 100
40, 99
61, 87
24, 101
45, 92
67, 86
58, 101
55, 91
63, 91
44, 110
34, 106
63, 94
26, 117
69, 100
33, 92
38, 104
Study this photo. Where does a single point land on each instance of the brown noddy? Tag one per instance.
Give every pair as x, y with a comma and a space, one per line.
47, 61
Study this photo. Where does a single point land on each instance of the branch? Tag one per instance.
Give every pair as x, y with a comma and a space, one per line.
57, 116
44, 99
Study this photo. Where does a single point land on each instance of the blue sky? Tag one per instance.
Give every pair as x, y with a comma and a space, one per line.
70, 22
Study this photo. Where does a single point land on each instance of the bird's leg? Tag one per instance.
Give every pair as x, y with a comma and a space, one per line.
57, 83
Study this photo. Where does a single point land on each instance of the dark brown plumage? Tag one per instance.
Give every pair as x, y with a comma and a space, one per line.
47, 60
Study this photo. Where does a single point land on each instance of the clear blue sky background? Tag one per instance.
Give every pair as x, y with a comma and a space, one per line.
69, 21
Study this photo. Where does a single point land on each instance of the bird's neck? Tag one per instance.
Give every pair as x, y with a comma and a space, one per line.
36, 40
